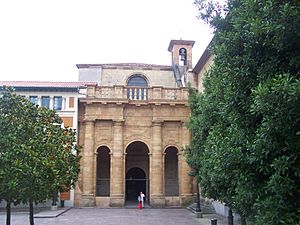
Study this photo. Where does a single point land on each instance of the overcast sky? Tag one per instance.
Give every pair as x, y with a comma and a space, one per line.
43, 40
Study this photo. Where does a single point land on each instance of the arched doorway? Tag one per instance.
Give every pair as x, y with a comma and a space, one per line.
171, 172
137, 170
103, 172
135, 183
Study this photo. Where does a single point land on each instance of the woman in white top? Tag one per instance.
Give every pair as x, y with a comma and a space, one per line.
142, 195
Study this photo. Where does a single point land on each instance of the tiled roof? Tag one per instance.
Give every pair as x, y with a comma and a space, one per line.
131, 65
45, 84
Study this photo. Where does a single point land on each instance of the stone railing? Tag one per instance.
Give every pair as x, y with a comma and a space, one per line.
137, 93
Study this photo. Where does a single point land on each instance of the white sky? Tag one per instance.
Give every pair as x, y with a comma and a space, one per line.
43, 40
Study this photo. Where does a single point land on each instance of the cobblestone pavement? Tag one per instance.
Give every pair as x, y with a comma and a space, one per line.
117, 216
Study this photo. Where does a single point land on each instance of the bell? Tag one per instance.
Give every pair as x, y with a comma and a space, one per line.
182, 53
182, 57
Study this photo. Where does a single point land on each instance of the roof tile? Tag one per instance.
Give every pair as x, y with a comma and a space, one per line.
45, 84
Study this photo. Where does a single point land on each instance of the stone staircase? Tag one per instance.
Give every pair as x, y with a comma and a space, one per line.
206, 208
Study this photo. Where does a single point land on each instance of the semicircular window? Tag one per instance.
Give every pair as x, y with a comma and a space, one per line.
137, 88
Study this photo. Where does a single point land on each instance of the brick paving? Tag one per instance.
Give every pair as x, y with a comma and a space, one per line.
117, 216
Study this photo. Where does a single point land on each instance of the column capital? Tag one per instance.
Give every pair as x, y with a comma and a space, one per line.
89, 120
180, 153
183, 123
157, 122
118, 122
158, 154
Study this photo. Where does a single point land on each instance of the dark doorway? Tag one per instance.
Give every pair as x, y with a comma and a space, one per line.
171, 172
137, 171
103, 172
135, 183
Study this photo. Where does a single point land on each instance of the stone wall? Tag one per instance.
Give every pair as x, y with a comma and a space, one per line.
120, 76
116, 125
203, 71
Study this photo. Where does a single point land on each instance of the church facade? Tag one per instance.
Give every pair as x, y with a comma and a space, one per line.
132, 126
131, 121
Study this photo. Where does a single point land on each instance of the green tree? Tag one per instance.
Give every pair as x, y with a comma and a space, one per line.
245, 126
15, 130
41, 157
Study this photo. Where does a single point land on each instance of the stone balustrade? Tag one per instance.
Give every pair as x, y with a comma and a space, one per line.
137, 93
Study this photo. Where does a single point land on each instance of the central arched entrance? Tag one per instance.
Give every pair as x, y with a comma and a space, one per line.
135, 183
137, 171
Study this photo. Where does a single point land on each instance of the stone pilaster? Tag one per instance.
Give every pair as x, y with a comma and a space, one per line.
117, 166
186, 182
88, 195
157, 167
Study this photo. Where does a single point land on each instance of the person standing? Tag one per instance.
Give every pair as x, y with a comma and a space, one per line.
142, 197
140, 201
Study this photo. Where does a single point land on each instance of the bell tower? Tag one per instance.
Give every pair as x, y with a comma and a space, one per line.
181, 51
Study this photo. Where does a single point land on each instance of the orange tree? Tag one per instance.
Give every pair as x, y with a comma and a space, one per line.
39, 157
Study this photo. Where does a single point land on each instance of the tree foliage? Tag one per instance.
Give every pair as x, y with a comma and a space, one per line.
37, 156
246, 124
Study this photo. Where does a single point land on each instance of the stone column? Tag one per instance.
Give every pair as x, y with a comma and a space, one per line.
186, 182
117, 166
88, 195
157, 167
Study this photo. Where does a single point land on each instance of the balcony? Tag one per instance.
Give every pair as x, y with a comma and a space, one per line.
137, 93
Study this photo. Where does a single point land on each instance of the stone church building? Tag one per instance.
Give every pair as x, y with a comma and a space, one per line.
131, 120
132, 126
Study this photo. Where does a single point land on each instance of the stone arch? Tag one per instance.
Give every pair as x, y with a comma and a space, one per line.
103, 171
172, 145
103, 145
137, 140
137, 74
171, 171
136, 169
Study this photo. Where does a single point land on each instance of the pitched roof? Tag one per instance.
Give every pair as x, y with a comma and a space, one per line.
125, 65
201, 62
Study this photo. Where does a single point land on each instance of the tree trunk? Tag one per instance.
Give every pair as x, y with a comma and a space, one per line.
243, 220
31, 220
8, 212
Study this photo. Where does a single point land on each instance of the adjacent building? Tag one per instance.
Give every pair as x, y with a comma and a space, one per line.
59, 96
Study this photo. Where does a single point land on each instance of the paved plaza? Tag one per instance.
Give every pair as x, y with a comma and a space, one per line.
118, 216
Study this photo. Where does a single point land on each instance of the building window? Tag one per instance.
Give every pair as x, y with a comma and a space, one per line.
137, 81
71, 102
46, 101
137, 88
57, 103
34, 99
